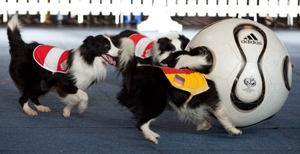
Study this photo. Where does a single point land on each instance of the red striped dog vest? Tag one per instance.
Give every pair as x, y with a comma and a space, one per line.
51, 58
143, 45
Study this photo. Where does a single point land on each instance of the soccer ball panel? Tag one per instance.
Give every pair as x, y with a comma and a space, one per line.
229, 60
249, 88
251, 43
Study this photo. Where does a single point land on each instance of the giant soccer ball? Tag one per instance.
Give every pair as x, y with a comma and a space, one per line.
252, 69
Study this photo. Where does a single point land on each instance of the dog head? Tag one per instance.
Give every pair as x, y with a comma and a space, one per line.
164, 46
99, 46
199, 59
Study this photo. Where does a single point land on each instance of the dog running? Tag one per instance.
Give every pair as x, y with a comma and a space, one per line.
148, 89
37, 69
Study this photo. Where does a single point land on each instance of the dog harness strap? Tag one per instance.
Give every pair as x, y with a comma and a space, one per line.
143, 45
51, 58
188, 100
187, 80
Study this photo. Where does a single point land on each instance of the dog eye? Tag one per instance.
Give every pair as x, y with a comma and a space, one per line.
107, 45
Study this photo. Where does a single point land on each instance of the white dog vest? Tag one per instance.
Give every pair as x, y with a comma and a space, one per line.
51, 58
143, 45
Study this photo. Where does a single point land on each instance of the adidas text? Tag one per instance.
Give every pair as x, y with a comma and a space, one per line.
251, 42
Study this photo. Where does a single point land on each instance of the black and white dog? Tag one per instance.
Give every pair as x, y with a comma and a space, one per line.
146, 90
37, 69
199, 59
144, 50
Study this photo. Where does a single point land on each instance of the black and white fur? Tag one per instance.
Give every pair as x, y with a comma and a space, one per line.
167, 45
146, 92
87, 65
199, 59
162, 47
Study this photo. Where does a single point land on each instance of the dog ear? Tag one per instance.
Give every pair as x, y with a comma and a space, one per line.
165, 44
182, 37
87, 39
184, 41
163, 40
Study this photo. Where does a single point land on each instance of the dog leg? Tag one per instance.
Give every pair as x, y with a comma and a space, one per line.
67, 110
196, 115
83, 101
23, 100
71, 100
221, 114
28, 110
148, 133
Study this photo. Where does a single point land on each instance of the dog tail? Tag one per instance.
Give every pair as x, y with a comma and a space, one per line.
13, 32
127, 53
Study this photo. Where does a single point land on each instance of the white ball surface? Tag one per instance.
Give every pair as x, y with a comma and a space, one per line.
252, 69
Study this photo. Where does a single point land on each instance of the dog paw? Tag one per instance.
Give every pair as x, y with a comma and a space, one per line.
156, 135
235, 132
42, 108
81, 111
29, 111
83, 103
66, 113
204, 126
152, 137
148, 133
82, 107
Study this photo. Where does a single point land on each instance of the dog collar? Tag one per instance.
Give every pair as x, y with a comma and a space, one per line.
51, 58
143, 45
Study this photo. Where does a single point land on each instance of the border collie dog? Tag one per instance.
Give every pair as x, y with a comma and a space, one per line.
142, 49
37, 69
147, 91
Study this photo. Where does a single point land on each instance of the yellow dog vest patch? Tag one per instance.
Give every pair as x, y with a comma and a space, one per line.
187, 80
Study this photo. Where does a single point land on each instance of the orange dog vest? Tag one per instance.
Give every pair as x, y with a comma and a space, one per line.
187, 80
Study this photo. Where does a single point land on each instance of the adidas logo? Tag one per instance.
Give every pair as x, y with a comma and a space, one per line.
251, 39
